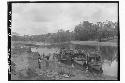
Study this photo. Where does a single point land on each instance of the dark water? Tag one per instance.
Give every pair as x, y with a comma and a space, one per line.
109, 55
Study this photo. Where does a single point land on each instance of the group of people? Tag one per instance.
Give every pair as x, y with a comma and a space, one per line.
46, 58
64, 53
42, 58
73, 52
67, 54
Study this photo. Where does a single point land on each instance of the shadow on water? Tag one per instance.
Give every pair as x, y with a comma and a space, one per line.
109, 55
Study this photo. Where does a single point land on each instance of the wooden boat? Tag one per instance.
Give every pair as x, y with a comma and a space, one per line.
91, 60
94, 62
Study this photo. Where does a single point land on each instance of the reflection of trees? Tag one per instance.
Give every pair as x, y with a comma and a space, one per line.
109, 52
108, 62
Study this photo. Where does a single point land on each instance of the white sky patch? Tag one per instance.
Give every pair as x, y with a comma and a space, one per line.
42, 18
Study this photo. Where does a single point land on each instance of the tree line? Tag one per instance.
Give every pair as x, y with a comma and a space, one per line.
82, 32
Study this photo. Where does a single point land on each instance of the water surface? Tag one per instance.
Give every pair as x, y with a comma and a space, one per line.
108, 53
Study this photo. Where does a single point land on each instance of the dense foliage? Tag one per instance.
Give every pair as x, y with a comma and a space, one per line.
83, 32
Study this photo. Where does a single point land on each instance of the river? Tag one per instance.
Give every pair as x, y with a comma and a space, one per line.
109, 55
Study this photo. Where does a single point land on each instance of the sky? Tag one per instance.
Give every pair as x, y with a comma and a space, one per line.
42, 18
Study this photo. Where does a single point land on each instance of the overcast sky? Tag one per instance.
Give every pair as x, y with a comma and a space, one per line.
41, 18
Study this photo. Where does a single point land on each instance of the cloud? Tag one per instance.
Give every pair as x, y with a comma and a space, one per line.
41, 18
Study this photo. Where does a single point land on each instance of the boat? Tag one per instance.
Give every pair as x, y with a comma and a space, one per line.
89, 60
94, 62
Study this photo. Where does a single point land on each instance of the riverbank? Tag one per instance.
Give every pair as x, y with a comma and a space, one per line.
89, 43
27, 68
95, 43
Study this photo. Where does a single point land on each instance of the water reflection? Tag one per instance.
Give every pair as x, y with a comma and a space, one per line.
110, 68
109, 56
